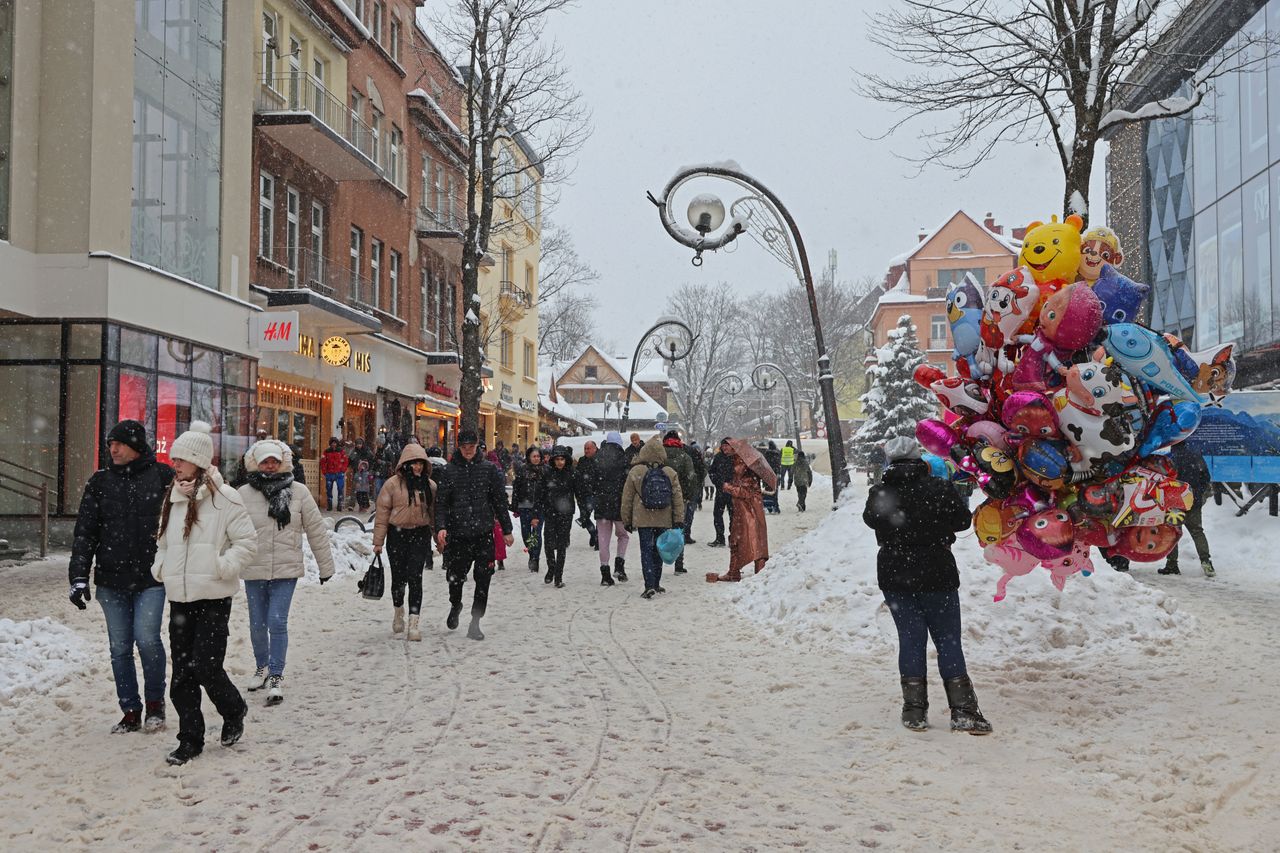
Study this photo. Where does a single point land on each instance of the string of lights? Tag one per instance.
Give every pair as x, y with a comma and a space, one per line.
273, 387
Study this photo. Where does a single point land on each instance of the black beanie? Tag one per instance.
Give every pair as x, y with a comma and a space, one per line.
131, 434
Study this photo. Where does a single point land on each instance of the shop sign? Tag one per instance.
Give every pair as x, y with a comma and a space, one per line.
506, 393
528, 405
335, 350
431, 386
306, 346
275, 331
362, 361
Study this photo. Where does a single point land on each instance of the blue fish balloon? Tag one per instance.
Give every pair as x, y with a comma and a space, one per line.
1145, 356
964, 314
1121, 296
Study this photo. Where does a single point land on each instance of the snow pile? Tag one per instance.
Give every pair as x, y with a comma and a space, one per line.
352, 551
821, 589
36, 656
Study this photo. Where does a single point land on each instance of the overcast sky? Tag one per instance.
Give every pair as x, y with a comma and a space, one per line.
769, 85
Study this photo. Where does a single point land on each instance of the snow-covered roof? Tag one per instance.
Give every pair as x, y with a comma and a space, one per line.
901, 292
653, 371
422, 95
641, 410
1013, 246
562, 409
352, 17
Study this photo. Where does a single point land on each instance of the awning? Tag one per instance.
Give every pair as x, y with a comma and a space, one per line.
438, 405
319, 312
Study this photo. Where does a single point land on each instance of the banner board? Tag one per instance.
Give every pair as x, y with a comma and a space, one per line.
1241, 439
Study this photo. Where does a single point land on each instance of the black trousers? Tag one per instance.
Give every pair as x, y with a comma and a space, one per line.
723, 503
409, 550
460, 555
198, 646
555, 539
801, 493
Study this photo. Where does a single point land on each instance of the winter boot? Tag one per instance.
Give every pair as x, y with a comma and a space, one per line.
233, 728
560, 555
965, 716
620, 569
1207, 568
680, 569
275, 690
474, 632
551, 567
605, 578
154, 721
915, 704
130, 722
397, 621
259, 680
731, 576
452, 621
502, 567
184, 753
689, 540
649, 593
533, 563
1120, 564
414, 633
1170, 567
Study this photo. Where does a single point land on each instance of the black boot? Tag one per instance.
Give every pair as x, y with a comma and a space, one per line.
551, 567
605, 578
915, 704
965, 716
560, 569
1170, 567
233, 728
1120, 564
502, 565
474, 632
533, 563
620, 569
451, 622
680, 569
184, 753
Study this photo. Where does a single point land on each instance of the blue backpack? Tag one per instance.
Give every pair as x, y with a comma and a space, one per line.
655, 489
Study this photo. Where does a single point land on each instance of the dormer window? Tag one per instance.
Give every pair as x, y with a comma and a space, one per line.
960, 247
589, 372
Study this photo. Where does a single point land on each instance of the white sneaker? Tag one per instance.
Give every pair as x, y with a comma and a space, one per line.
259, 680
275, 692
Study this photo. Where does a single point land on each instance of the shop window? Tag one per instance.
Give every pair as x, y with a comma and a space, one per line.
85, 341
84, 430
31, 342
240, 371
30, 427
237, 427
173, 413
175, 357
138, 348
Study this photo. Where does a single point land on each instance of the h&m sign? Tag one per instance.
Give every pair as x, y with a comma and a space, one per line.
275, 331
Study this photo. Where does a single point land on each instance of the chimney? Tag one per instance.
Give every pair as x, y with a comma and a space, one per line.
990, 224
1018, 233
920, 236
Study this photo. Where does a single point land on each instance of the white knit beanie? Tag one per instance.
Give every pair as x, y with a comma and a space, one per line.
194, 446
268, 448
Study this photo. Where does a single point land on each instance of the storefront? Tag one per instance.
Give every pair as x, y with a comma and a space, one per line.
298, 415
66, 383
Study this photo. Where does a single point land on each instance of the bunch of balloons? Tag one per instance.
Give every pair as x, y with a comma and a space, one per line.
1064, 408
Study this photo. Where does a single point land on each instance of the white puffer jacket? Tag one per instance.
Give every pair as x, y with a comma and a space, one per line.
279, 553
207, 564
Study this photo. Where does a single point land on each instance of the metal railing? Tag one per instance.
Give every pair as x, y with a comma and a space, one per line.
936, 292
38, 492
518, 295
293, 266
431, 220
298, 91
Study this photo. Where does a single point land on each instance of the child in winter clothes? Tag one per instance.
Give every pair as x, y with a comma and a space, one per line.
557, 501
206, 538
362, 484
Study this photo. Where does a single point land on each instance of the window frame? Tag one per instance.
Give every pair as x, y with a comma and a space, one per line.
393, 34
266, 213
317, 240
375, 24
356, 257
292, 230
375, 129
506, 357
377, 250
530, 360
270, 32
393, 282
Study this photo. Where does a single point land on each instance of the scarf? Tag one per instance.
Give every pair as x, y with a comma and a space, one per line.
276, 488
419, 487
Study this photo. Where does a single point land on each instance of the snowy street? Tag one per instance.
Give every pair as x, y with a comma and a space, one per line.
593, 720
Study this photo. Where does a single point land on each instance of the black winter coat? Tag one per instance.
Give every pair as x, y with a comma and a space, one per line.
527, 485
470, 496
117, 523
585, 477
916, 517
721, 470
557, 492
630, 452
699, 467
611, 478
1193, 471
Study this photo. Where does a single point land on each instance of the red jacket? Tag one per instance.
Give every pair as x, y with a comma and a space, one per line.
333, 462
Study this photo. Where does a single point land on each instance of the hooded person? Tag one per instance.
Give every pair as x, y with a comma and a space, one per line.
526, 494
405, 515
557, 501
748, 531
915, 517
282, 511
204, 541
690, 485
650, 507
115, 540
801, 478
611, 478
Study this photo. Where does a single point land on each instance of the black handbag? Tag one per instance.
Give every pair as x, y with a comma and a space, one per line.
374, 582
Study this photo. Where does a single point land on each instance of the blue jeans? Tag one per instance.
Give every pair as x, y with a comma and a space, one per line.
532, 535
920, 615
377, 487
330, 481
133, 618
650, 559
690, 507
269, 621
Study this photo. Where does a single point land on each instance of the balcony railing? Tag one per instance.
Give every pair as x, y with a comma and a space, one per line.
297, 91
936, 292
294, 267
517, 295
429, 220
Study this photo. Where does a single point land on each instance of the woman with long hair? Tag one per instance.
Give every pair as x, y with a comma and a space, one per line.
558, 503
524, 501
282, 510
205, 539
406, 513
748, 533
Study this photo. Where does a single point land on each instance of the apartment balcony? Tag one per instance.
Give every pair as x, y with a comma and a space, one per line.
936, 292
514, 297
297, 111
433, 224
293, 268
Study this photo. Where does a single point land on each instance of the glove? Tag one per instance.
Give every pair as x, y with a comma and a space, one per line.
677, 527
630, 528
324, 580
80, 594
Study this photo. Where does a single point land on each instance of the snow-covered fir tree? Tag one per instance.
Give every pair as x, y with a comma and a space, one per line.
895, 402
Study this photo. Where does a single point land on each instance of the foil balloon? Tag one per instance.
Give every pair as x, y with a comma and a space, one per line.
957, 394
937, 466
1029, 414
1047, 535
995, 434
1100, 500
1076, 560
996, 472
1093, 412
1094, 532
1051, 250
994, 522
1008, 309
1145, 355
964, 315
1028, 499
935, 436
1121, 297
1045, 462
1147, 544
1151, 498
1069, 320
1013, 560
1099, 246
1169, 424
1210, 371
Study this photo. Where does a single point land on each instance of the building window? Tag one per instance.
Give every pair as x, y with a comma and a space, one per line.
529, 199
295, 74
529, 360
375, 272
269, 49
376, 128
504, 348
266, 214
424, 290
357, 253
393, 283
449, 314
937, 331
357, 6
395, 38
379, 10
946, 278
960, 247
507, 257
293, 204
319, 103
396, 145
528, 281
425, 200
316, 265
590, 371
448, 198
439, 188
505, 177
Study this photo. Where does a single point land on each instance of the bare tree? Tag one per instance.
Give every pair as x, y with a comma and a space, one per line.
565, 325
1030, 70
713, 314
516, 94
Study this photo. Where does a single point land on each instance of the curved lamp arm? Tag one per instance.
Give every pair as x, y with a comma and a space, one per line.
669, 346
763, 377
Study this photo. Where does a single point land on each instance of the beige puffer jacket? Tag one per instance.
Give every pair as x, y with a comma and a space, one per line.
394, 509
634, 514
207, 564
280, 549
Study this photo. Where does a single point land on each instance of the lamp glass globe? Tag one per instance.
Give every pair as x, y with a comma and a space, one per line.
706, 213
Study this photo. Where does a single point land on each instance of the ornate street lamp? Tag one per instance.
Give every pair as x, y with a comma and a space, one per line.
666, 339
762, 216
765, 377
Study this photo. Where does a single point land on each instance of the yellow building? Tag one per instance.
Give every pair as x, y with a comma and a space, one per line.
509, 300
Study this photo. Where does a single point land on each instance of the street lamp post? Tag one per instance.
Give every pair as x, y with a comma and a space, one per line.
671, 347
733, 404
762, 376
732, 383
777, 232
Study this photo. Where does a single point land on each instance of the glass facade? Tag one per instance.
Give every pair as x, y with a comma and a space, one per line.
67, 383
177, 136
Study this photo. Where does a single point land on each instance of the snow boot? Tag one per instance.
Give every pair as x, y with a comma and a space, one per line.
414, 633
1120, 564
452, 621
533, 564
731, 576
233, 729
1207, 568
184, 753
649, 593
551, 567
275, 691
605, 578
560, 570
502, 567
1168, 568
620, 569
397, 621
154, 721
965, 716
474, 632
718, 542
130, 722
689, 540
259, 680
915, 704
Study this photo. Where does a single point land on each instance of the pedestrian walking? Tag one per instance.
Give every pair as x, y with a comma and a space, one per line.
282, 510
362, 484
700, 474
652, 503
611, 478
916, 516
748, 532
678, 459
585, 477
787, 461
384, 464
556, 503
633, 448
333, 465
773, 456
720, 472
472, 497
115, 540
524, 498
204, 541
1193, 471
802, 476
405, 514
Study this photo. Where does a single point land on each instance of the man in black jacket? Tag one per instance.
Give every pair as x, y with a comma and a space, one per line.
1193, 471
116, 537
585, 483
611, 478
721, 473
471, 496
916, 517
